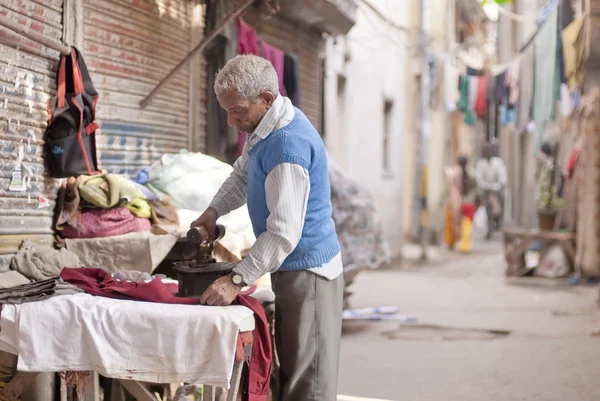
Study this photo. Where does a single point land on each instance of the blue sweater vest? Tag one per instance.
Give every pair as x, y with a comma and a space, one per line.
299, 143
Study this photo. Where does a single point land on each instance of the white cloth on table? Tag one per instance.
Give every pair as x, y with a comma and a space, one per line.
152, 342
8, 329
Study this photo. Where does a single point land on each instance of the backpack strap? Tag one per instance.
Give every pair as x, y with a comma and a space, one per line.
88, 85
77, 80
62, 81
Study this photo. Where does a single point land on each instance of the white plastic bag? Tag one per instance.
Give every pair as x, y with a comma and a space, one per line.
480, 222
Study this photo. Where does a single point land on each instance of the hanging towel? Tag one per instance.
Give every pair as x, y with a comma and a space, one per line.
574, 52
566, 102
275, 56
463, 104
500, 88
473, 89
290, 78
525, 89
247, 38
512, 82
451, 92
481, 103
545, 94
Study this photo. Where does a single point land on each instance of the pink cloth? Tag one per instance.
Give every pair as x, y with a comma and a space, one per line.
276, 57
247, 38
98, 223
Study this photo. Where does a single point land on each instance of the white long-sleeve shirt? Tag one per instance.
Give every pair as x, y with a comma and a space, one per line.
491, 174
287, 189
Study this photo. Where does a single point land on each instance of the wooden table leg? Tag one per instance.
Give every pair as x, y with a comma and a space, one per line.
117, 392
236, 377
92, 387
208, 393
136, 389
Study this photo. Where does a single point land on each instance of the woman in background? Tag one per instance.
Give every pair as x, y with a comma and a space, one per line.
460, 207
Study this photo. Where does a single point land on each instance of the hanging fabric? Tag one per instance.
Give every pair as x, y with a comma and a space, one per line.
247, 38
512, 81
545, 93
291, 79
481, 102
463, 104
526, 83
574, 53
276, 57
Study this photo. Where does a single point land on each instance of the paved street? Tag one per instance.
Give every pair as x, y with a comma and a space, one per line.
549, 355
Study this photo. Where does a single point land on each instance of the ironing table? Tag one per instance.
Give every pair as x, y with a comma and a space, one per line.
134, 343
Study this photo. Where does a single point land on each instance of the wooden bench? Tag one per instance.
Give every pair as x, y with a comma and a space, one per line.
517, 242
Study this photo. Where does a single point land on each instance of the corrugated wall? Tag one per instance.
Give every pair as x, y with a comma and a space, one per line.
303, 41
129, 47
27, 80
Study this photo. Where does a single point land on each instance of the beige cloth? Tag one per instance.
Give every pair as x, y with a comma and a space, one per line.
11, 279
41, 263
574, 52
141, 251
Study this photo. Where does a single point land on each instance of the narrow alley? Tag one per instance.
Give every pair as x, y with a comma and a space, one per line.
550, 353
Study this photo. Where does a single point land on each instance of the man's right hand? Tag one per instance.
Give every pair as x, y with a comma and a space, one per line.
207, 220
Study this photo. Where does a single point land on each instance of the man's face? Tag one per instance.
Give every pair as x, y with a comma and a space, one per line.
245, 115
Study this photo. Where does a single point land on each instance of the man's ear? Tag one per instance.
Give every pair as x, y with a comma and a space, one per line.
268, 98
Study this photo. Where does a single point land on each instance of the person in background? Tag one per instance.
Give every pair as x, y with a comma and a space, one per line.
491, 176
460, 207
283, 176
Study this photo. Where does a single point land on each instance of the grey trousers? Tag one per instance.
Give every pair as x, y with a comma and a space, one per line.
308, 328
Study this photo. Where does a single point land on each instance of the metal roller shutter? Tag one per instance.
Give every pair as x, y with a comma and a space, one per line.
303, 41
27, 81
129, 47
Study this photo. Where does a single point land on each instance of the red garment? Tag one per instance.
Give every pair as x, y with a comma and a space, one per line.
468, 210
247, 38
276, 57
572, 161
98, 223
481, 103
259, 371
100, 283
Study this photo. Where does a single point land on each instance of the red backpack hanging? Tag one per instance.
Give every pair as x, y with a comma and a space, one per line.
71, 132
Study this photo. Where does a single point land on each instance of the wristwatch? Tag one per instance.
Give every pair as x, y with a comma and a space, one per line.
237, 280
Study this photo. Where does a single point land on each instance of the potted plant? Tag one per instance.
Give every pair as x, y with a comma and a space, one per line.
549, 205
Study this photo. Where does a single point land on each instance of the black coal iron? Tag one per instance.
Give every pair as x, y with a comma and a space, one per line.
197, 275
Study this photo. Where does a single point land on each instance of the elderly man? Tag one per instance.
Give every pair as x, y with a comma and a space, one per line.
282, 175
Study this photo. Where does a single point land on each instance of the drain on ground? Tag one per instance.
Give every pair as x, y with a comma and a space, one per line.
432, 332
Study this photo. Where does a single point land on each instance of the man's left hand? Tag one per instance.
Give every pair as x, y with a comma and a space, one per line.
221, 293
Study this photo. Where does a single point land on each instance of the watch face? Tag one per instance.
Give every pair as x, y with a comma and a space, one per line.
237, 279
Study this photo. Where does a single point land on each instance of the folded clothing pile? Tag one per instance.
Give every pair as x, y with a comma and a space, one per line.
105, 205
37, 291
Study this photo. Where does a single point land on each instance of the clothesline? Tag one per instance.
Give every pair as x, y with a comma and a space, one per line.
495, 69
517, 17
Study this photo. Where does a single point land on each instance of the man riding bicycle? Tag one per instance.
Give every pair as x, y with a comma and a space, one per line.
491, 176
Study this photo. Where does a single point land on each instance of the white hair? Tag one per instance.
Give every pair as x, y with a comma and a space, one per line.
248, 74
